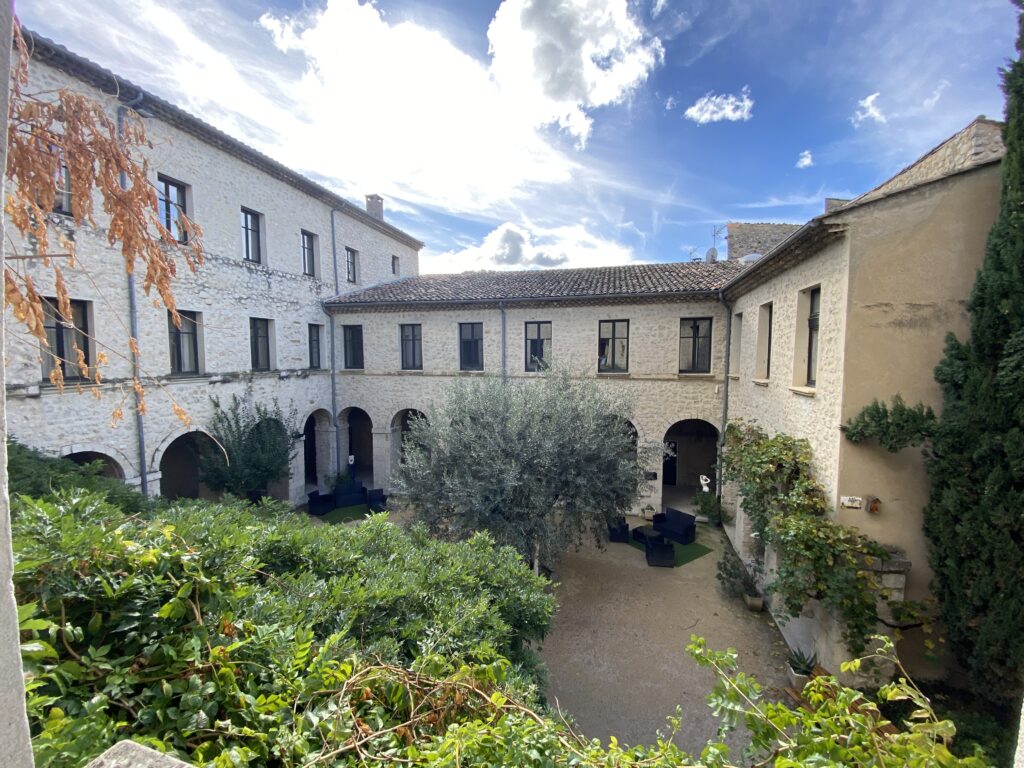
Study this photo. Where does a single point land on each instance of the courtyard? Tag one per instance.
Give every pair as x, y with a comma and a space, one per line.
616, 653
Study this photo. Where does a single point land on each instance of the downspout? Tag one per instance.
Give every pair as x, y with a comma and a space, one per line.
133, 321
334, 366
504, 339
725, 393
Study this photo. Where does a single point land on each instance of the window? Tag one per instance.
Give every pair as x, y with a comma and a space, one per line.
309, 253
395, 266
736, 344
613, 346
350, 264
184, 342
66, 339
314, 346
62, 190
353, 335
695, 345
471, 346
259, 341
170, 196
814, 308
251, 247
538, 346
764, 341
412, 347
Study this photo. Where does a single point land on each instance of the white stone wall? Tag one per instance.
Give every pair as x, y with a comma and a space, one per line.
226, 290
660, 395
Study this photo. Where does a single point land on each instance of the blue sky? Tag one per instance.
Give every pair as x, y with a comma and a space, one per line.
545, 133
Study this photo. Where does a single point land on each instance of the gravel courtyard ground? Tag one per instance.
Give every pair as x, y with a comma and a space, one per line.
616, 654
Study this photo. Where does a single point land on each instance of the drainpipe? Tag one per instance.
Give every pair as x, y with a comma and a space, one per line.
334, 366
133, 319
725, 392
504, 338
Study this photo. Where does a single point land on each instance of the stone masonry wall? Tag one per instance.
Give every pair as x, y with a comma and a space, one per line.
660, 395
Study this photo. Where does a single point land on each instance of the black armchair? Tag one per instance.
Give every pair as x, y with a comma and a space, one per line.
660, 554
618, 531
675, 525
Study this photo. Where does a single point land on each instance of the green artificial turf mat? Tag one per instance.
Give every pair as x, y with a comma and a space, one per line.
685, 553
346, 514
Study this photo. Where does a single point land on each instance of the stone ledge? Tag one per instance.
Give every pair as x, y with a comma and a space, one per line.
759, 382
804, 391
128, 754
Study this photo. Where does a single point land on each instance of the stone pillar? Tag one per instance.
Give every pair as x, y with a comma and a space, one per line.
15, 743
381, 457
326, 460
345, 450
297, 473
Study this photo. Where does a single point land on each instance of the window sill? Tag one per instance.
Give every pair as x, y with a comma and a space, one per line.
471, 373
352, 370
613, 374
410, 372
803, 391
187, 376
734, 376
760, 382
705, 376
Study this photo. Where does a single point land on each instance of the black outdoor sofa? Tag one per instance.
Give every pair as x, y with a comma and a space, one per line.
676, 526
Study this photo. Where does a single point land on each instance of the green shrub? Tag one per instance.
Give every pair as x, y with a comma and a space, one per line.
218, 613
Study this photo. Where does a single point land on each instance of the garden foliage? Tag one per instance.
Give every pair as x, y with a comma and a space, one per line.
541, 464
253, 447
236, 636
815, 557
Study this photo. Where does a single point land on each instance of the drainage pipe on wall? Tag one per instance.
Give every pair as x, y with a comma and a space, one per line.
504, 337
133, 321
725, 392
334, 367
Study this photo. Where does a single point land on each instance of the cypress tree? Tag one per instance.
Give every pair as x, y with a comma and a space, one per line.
975, 517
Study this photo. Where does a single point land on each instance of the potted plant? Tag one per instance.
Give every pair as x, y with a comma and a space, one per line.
737, 579
800, 668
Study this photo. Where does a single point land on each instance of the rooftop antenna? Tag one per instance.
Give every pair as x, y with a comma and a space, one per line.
711, 256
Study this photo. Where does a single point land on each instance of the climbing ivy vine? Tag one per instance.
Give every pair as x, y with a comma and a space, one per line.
816, 558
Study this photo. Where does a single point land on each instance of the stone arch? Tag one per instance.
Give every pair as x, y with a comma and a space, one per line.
399, 426
112, 461
357, 442
695, 445
317, 448
179, 466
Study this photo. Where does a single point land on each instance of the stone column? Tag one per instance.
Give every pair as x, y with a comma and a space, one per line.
297, 473
381, 457
15, 743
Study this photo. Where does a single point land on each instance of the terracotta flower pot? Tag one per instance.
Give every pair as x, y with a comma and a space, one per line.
754, 603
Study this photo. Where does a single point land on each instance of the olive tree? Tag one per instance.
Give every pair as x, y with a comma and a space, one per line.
542, 464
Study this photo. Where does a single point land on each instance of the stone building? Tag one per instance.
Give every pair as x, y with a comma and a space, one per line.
799, 329
276, 245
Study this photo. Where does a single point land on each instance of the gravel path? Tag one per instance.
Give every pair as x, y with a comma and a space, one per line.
616, 654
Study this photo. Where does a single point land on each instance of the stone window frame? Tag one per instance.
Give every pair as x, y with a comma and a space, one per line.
351, 265
765, 322
808, 320
411, 343
474, 361
252, 236
261, 343
396, 266
694, 343
309, 245
171, 210
536, 363
610, 361
315, 335
353, 350
176, 336
64, 336
736, 345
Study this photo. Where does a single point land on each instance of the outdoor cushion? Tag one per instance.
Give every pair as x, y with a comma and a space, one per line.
675, 525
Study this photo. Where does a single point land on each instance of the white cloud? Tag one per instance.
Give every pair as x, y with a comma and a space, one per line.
712, 107
670, 103
552, 60
869, 110
806, 159
932, 100
511, 246
658, 7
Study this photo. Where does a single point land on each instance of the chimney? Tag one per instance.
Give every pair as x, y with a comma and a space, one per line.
831, 203
375, 206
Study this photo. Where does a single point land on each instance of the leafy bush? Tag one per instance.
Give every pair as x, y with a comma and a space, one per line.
710, 506
33, 473
253, 447
734, 577
207, 631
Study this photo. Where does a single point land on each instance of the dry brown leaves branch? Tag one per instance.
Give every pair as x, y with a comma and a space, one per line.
48, 132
